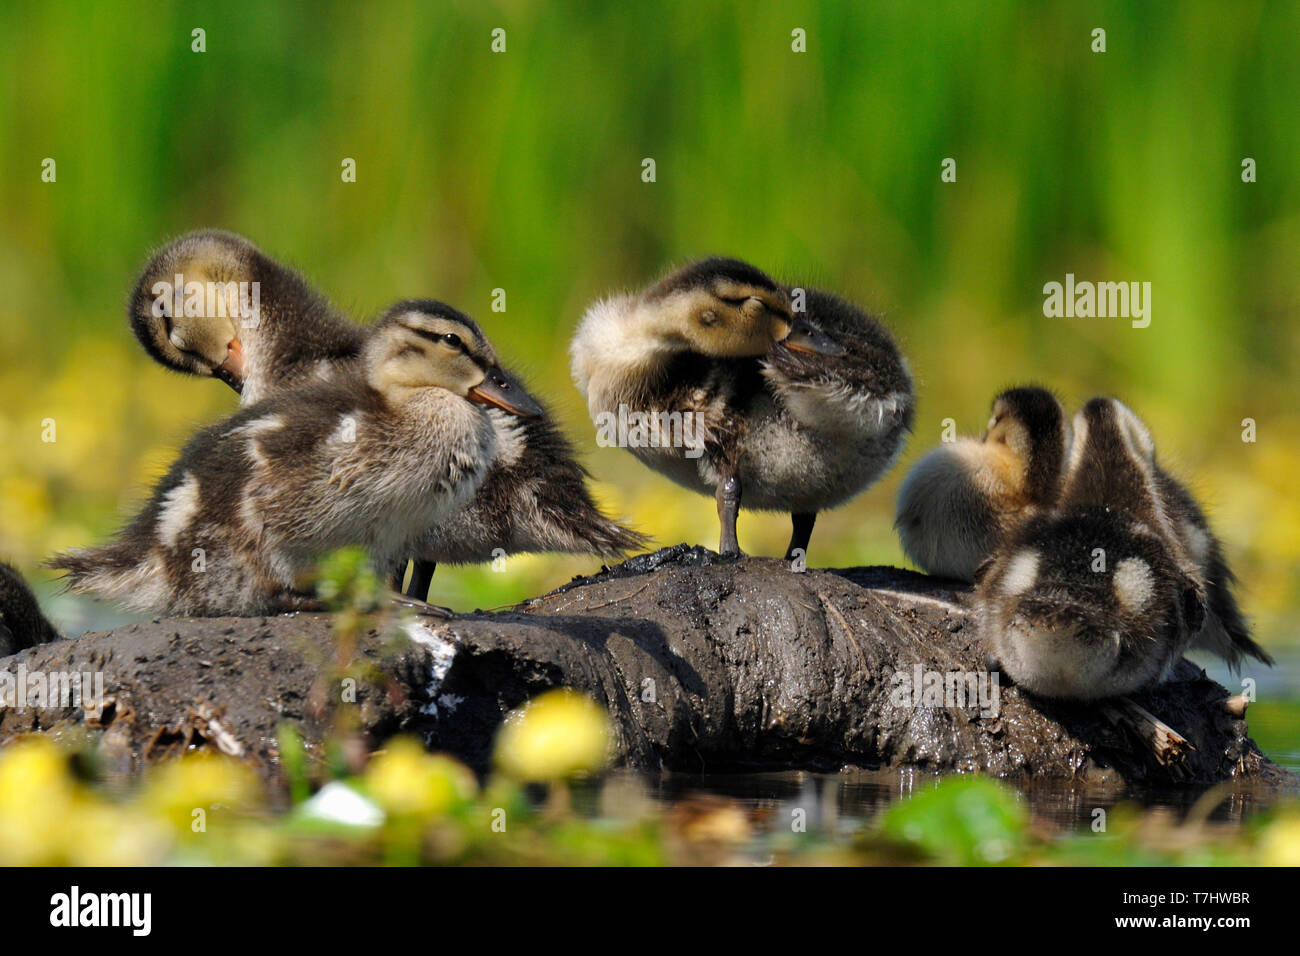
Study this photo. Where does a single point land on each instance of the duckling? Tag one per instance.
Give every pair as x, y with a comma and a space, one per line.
789, 411
960, 500
1226, 633
1102, 596
21, 622
239, 521
535, 497
1062, 623
263, 327
1104, 425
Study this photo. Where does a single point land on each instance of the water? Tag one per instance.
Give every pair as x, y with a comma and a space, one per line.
845, 803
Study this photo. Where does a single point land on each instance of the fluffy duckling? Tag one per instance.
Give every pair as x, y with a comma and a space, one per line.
239, 521
960, 500
786, 410
21, 622
1110, 431
1062, 622
211, 303
1102, 596
1092, 600
535, 498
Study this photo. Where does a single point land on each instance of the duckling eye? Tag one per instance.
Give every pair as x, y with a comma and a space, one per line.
452, 339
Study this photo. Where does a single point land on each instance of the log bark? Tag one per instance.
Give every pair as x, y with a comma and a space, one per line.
705, 663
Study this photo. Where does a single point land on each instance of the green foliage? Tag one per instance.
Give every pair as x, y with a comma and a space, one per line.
963, 820
293, 761
346, 581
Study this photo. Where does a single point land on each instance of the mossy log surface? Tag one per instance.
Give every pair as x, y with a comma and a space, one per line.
705, 663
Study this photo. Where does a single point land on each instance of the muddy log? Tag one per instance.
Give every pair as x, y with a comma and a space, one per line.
705, 663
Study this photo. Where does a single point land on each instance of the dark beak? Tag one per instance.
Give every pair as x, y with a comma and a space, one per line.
230, 378
804, 338
234, 368
502, 390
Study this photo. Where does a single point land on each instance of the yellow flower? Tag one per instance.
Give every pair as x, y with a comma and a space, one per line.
1281, 844
200, 781
554, 736
37, 797
104, 834
406, 781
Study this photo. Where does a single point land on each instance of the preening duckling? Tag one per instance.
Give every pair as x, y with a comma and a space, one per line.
787, 411
1109, 431
1092, 600
1086, 604
535, 497
962, 499
211, 303
242, 516
21, 622
1103, 595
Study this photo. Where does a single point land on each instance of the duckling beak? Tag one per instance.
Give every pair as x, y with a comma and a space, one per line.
234, 369
502, 391
804, 338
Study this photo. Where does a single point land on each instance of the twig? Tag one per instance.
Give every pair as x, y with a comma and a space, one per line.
1168, 745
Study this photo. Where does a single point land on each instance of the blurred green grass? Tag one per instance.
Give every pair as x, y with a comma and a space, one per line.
521, 170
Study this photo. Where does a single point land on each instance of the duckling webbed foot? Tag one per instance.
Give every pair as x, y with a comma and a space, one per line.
802, 534
728, 497
421, 579
423, 608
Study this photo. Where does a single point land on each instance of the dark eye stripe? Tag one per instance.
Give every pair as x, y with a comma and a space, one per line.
436, 336
441, 337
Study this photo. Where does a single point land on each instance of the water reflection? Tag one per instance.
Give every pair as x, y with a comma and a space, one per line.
844, 803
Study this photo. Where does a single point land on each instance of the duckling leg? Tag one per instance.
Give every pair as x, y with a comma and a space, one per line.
421, 578
803, 525
728, 496
422, 607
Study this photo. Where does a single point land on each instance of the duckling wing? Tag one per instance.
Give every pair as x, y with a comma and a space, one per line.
864, 394
534, 499
1226, 632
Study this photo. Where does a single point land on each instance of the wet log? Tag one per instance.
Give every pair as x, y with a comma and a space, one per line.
706, 664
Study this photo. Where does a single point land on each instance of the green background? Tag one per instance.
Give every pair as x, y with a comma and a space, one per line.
522, 170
